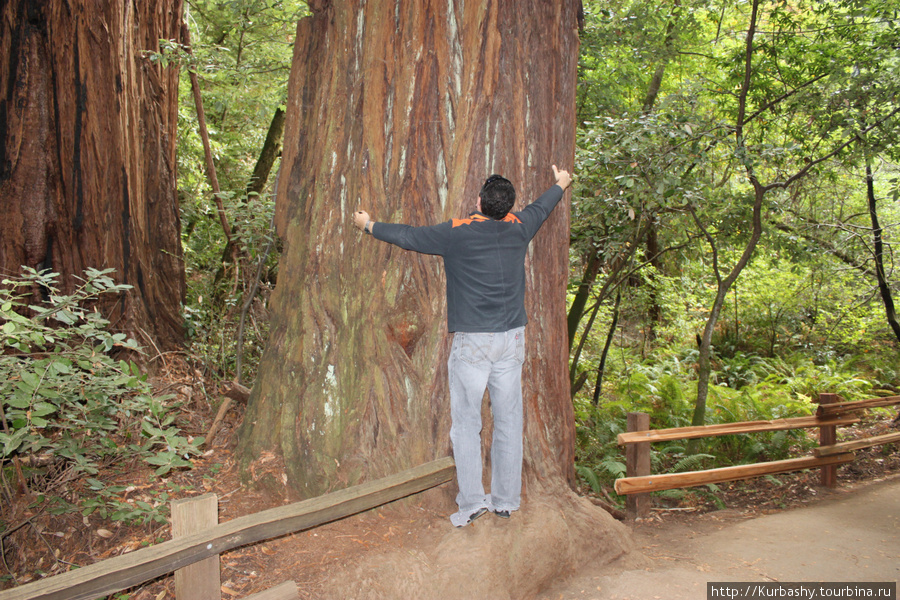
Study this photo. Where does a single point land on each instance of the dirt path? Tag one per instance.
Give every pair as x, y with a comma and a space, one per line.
847, 535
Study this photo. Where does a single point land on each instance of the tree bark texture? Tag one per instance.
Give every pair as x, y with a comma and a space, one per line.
87, 163
404, 108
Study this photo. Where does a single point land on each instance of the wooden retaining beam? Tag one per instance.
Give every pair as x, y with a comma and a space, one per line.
702, 431
655, 483
887, 438
125, 571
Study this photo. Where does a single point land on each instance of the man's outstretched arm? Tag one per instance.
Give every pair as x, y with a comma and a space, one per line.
431, 239
534, 215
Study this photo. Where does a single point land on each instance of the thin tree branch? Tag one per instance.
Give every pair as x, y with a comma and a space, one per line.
883, 287
709, 239
250, 296
748, 71
783, 97
825, 245
855, 138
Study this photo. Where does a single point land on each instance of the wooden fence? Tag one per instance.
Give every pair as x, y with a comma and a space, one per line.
197, 537
831, 413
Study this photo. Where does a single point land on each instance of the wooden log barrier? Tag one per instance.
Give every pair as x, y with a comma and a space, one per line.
127, 570
668, 481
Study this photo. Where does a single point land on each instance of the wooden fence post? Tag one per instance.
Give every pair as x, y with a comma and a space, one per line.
827, 437
201, 580
637, 464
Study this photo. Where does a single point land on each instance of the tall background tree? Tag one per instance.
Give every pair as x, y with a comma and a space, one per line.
404, 109
87, 162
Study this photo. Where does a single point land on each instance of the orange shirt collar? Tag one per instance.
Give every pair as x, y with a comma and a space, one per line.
477, 216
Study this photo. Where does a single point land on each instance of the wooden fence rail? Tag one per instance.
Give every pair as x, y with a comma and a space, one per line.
703, 431
831, 413
668, 481
830, 409
125, 571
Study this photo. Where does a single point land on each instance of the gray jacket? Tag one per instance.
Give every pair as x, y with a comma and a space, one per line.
484, 261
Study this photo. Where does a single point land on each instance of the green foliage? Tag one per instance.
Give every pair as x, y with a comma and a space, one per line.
213, 302
63, 395
590, 477
242, 55
107, 504
802, 378
805, 315
622, 44
748, 388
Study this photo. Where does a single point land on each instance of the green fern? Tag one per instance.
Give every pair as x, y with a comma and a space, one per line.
614, 467
693, 462
589, 477
673, 449
712, 492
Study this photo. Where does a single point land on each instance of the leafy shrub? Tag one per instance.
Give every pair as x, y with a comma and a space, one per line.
65, 399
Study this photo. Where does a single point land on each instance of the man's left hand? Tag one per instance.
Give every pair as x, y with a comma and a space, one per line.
563, 179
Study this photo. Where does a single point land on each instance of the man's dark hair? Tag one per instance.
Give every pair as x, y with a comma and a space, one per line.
497, 197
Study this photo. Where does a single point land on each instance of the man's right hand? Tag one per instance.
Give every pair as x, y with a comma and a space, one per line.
360, 218
563, 179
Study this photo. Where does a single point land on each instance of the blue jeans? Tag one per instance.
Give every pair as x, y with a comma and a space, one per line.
494, 361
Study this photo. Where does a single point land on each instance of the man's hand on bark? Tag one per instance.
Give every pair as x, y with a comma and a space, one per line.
563, 179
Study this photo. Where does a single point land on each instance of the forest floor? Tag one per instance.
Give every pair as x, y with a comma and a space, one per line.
38, 544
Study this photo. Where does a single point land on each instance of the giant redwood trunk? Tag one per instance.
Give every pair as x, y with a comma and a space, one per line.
87, 162
403, 108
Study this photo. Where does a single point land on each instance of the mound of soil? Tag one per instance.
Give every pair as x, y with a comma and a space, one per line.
550, 538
